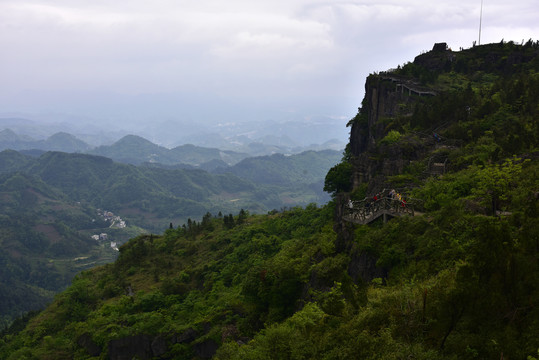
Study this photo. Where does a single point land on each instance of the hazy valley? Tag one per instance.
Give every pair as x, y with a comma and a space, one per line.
53, 203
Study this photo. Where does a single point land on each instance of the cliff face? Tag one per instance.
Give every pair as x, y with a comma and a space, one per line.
390, 99
416, 119
387, 97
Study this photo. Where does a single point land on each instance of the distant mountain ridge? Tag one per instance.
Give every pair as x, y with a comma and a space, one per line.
136, 150
60, 141
255, 138
306, 167
133, 149
156, 194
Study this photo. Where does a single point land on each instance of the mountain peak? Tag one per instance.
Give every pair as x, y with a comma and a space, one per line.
134, 139
8, 135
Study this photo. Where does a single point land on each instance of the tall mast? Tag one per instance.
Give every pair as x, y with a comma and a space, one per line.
480, 21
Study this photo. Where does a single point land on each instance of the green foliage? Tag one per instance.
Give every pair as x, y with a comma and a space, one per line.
494, 182
338, 178
153, 197
279, 169
459, 280
48, 210
211, 275
43, 241
392, 137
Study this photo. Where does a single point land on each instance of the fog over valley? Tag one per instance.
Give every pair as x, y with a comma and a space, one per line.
178, 72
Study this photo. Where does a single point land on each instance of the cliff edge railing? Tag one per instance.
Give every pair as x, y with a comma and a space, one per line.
367, 210
411, 87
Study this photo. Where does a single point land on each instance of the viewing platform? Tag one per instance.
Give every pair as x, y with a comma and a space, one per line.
367, 210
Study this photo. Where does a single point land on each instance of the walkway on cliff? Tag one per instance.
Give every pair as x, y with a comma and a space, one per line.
410, 86
367, 210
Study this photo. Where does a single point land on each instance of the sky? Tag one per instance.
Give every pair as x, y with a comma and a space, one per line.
211, 61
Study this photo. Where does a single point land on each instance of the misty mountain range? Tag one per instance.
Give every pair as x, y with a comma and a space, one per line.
249, 138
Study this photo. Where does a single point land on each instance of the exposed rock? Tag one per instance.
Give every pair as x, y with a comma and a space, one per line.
369, 157
229, 332
138, 346
206, 349
85, 341
363, 266
373, 159
159, 346
207, 327
242, 341
343, 229
188, 336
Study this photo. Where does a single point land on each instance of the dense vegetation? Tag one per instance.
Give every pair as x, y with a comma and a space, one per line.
460, 280
152, 197
45, 241
49, 211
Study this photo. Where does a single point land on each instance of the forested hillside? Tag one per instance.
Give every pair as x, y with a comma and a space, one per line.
45, 241
52, 205
135, 150
450, 271
308, 167
152, 197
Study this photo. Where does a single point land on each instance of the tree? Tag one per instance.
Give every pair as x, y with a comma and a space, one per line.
229, 221
242, 216
495, 181
339, 178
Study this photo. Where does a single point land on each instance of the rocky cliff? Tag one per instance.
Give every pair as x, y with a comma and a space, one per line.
387, 100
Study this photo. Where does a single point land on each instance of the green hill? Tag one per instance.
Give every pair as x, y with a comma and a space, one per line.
63, 142
57, 142
152, 197
52, 201
12, 161
196, 155
44, 240
456, 134
132, 149
305, 168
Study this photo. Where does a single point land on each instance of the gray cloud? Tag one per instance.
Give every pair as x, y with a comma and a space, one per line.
89, 57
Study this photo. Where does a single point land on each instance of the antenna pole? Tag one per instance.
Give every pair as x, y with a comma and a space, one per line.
480, 21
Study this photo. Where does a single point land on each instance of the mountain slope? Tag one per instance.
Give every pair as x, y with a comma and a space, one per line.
153, 196
132, 149
456, 279
42, 244
63, 142
279, 169
196, 155
60, 141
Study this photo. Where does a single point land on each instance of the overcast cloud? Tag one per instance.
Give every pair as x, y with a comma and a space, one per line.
213, 61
